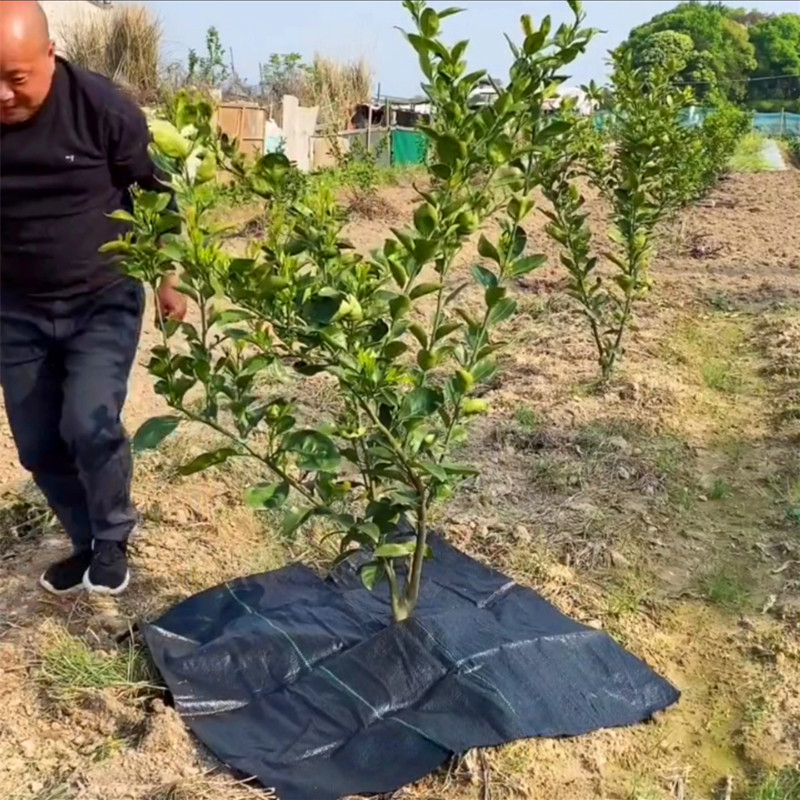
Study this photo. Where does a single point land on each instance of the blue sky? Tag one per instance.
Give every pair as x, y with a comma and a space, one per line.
345, 29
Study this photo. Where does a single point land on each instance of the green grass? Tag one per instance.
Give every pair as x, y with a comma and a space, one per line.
783, 785
748, 156
527, 418
726, 588
721, 490
626, 597
69, 668
721, 376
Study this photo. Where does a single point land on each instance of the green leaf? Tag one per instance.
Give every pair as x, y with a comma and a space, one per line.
450, 148
431, 468
372, 574
232, 315
458, 469
316, 452
323, 308
493, 295
396, 550
207, 460
520, 240
446, 329
523, 266
267, 495
502, 311
420, 290
483, 371
118, 247
122, 216
294, 519
398, 273
394, 349
425, 219
153, 432
421, 402
555, 128
419, 334
534, 42
424, 250
488, 250
429, 23
485, 277
399, 305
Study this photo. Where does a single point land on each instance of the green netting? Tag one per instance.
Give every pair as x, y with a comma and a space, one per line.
778, 124
409, 148
783, 124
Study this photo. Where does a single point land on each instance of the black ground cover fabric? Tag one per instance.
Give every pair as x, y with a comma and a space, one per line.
301, 682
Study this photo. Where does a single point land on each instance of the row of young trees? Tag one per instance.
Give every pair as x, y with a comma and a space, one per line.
404, 341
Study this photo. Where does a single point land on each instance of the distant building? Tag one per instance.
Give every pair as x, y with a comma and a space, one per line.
61, 14
485, 92
584, 104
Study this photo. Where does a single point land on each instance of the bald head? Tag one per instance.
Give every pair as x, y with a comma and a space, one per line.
27, 60
23, 23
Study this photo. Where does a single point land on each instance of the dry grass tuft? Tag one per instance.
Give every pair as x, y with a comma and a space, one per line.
337, 88
123, 44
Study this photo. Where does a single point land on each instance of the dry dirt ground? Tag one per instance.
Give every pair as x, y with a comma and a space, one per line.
666, 510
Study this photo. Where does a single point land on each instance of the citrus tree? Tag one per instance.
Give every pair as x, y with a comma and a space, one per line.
648, 162
405, 345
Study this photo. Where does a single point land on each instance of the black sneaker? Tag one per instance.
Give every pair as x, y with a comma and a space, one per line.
66, 576
108, 572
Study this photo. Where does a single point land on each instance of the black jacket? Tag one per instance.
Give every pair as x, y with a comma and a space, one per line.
61, 174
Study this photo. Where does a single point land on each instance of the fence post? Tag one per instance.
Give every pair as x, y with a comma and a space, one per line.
783, 121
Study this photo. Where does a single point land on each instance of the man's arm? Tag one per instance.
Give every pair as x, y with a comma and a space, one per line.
128, 140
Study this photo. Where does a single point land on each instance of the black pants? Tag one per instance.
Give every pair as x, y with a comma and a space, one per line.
64, 370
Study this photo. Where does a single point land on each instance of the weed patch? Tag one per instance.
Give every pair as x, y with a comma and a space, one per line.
726, 588
69, 668
748, 156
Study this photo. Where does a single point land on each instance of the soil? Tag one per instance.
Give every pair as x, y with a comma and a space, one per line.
665, 509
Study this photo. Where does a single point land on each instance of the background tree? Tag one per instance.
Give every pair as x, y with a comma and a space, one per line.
722, 57
284, 73
777, 48
210, 70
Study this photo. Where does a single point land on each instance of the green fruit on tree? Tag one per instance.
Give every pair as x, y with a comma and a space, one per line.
274, 283
464, 381
467, 222
207, 169
473, 406
168, 139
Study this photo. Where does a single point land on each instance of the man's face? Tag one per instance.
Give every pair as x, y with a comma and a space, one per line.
26, 74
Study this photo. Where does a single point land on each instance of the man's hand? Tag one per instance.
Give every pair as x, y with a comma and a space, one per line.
171, 303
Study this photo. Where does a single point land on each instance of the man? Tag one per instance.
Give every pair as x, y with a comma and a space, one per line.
71, 146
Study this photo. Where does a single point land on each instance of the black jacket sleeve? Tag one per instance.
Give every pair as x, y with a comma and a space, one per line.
129, 160
128, 139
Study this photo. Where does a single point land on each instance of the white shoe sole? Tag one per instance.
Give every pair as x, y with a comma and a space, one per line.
48, 587
106, 590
